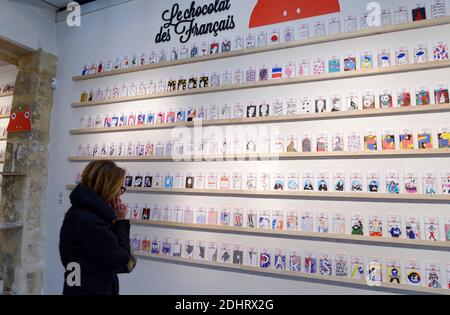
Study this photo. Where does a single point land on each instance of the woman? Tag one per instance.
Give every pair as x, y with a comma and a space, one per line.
95, 234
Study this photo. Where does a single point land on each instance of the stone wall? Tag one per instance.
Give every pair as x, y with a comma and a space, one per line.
24, 199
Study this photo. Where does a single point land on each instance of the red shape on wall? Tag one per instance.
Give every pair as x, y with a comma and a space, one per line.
20, 121
267, 12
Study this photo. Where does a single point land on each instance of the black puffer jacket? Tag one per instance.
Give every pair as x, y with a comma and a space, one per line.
90, 238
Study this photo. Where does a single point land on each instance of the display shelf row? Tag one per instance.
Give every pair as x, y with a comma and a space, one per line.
327, 237
294, 180
378, 112
272, 144
307, 195
292, 275
433, 65
313, 224
418, 153
293, 44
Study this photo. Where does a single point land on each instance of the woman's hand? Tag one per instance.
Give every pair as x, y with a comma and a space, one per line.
120, 209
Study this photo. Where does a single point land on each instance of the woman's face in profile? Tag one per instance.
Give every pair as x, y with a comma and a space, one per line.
119, 191
116, 196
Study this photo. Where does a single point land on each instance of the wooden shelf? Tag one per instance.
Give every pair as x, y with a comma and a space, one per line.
278, 119
9, 174
327, 237
299, 276
433, 65
418, 153
9, 226
365, 197
7, 94
308, 42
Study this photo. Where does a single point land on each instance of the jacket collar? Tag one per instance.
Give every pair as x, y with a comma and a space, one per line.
81, 197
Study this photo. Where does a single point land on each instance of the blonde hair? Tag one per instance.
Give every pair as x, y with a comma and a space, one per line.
104, 178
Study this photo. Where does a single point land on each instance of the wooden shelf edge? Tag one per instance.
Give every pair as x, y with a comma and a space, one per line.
329, 237
279, 119
402, 288
12, 174
7, 94
433, 65
379, 197
281, 156
267, 48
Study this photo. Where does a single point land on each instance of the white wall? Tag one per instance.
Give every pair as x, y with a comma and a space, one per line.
29, 23
130, 28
